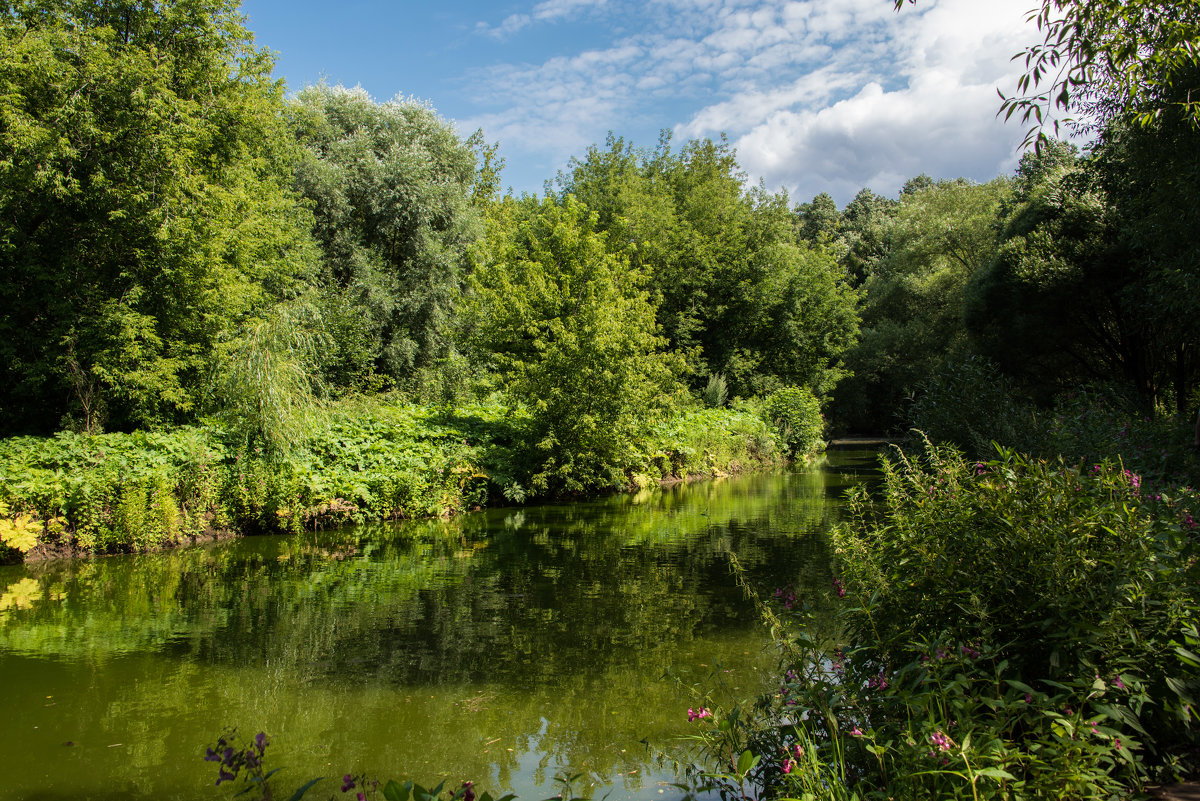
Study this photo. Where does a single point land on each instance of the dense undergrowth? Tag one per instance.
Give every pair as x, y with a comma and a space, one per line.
1015, 628
364, 460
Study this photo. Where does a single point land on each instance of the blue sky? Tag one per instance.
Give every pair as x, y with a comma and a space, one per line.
816, 95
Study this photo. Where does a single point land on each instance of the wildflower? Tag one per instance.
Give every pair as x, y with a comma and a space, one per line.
839, 589
980, 469
879, 682
1117, 743
856, 732
798, 750
261, 742
1093, 725
941, 741
347, 783
788, 765
1120, 685
468, 791
697, 714
225, 776
969, 652
1028, 698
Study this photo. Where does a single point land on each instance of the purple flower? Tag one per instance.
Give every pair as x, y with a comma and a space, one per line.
941, 741
1120, 685
879, 682
225, 776
211, 756
347, 783
838, 588
260, 741
468, 792
788, 765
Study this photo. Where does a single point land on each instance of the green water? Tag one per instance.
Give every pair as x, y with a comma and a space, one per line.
505, 646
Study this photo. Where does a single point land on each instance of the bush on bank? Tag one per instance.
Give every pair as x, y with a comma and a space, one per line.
1010, 629
364, 460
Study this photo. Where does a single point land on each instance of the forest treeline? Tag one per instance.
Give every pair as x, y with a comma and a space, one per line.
182, 243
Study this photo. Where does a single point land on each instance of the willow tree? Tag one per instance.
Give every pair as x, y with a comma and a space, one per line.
392, 187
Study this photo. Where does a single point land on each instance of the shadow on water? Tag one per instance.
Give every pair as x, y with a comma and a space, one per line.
502, 647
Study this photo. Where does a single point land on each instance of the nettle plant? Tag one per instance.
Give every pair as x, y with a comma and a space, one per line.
1009, 629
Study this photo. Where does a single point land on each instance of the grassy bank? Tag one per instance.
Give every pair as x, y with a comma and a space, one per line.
362, 461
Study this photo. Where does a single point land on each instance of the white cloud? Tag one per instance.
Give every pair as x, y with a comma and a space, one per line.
817, 95
547, 11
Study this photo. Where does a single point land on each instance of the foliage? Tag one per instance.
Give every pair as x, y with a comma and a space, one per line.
1011, 629
266, 380
970, 404
796, 414
570, 327
912, 297
1093, 277
715, 392
391, 187
145, 205
736, 292
1092, 424
361, 460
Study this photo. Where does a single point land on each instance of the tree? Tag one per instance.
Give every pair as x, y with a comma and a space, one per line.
571, 328
145, 206
737, 294
912, 300
1106, 59
394, 196
1096, 278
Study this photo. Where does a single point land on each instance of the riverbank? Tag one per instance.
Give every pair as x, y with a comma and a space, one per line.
367, 461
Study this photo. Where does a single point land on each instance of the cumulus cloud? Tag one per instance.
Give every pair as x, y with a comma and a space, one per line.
815, 95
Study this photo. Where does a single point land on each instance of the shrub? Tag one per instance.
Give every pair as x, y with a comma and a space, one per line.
969, 403
796, 414
1014, 629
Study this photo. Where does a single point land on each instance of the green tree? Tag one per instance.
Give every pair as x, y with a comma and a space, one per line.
571, 328
396, 204
737, 293
912, 300
145, 206
1097, 275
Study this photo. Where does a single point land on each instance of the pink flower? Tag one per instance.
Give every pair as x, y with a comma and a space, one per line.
697, 714
788, 765
940, 740
856, 732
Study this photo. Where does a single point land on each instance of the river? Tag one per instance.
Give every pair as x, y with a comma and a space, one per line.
506, 646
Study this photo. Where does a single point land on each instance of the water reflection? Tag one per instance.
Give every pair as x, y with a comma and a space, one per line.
501, 646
